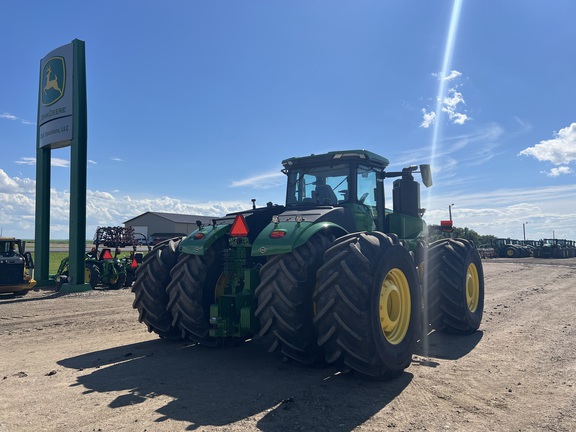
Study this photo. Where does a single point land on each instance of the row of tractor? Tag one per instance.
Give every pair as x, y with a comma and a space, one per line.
332, 276
545, 248
555, 248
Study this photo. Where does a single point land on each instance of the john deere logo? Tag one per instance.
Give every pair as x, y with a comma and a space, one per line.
53, 80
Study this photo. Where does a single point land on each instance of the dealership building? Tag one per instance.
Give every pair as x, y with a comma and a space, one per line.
165, 225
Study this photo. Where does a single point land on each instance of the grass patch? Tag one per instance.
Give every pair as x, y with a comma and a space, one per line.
54, 261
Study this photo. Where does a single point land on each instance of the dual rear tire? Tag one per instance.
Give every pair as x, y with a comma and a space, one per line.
151, 299
367, 304
453, 287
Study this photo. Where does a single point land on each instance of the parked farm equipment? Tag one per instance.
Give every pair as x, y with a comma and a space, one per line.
332, 276
510, 248
16, 267
555, 248
104, 267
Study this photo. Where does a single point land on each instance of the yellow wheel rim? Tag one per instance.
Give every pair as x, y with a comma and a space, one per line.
395, 306
472, 288
86, 274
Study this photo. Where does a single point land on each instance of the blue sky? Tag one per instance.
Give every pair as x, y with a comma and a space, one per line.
192, 105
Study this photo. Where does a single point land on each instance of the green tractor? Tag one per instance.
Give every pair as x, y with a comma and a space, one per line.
16, 266
332, 276
105, 267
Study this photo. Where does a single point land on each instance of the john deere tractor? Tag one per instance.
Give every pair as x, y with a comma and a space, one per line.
332, 276
104, 267
15, 267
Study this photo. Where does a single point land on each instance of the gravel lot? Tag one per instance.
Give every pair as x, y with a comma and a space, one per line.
83, 362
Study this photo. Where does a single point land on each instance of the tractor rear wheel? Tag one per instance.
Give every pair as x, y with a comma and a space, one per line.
92, 274
192, 291
368, 304
285, 307
151, 299
454, 286
118, 281
511, 252
130, 276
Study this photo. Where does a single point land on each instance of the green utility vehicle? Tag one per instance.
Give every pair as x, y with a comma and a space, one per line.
16, 267
105, 267
332, 276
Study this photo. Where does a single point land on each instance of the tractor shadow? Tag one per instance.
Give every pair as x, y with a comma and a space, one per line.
7, 298
446, 346
219, 387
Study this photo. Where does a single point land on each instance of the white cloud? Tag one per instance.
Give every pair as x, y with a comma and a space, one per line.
560, 150
427, 118
450, 107
451, 104
16, 184
8, 116
450, 77
12, 117
55, 162
556, 172
116, 159
263, 181
17, 208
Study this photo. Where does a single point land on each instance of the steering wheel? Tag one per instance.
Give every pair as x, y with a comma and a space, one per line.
363, 197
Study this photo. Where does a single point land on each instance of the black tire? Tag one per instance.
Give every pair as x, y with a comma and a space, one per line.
192, 291
151, 299
454, 286
368, 304
94, 272
285, 307
119, 282
60, 281
130, 276
511, 252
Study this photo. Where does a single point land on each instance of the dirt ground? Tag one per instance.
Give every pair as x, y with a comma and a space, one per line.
82, 362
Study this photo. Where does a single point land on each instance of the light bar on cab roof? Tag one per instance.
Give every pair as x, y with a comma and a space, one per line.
341, 155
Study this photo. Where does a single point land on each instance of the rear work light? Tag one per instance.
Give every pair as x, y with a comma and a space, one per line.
239, 227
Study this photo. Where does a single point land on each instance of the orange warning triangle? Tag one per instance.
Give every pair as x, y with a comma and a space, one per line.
239, 227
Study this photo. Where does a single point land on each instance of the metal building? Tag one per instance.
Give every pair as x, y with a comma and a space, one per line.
157, 226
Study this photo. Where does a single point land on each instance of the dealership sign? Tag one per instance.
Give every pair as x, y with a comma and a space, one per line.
55, 98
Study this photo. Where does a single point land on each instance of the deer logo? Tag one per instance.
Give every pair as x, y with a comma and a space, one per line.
53, 81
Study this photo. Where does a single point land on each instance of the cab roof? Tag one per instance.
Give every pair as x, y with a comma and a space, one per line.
364, 157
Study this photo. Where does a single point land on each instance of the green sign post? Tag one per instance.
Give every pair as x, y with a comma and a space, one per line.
62, 122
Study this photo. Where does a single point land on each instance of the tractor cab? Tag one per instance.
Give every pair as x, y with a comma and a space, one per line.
354, 180
16, 267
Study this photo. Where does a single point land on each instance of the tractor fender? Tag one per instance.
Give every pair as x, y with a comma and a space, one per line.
295, 235
198, 242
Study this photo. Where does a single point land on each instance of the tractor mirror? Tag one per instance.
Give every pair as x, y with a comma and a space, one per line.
426, 175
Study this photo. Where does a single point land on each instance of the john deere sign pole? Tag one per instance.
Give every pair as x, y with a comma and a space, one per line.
62, 122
